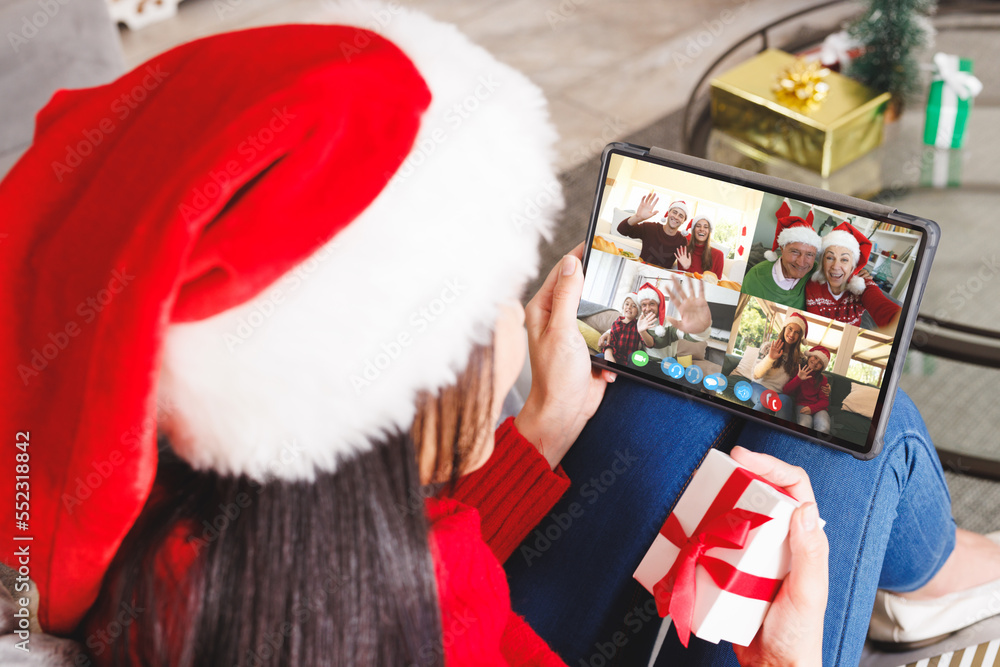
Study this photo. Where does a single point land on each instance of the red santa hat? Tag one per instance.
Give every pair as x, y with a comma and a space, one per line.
792, 229
695, 219
681, 205
795, 317
634, 298
198, 270
650, 291
821, 352
847, 236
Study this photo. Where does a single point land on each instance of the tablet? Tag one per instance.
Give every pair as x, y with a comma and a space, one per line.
778, 301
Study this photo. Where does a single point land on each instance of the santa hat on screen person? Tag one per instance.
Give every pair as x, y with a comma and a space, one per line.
694, 221
239, 272
633, 297
681, 205
847, 236
649, 291
795, 317
792, 229
821, 352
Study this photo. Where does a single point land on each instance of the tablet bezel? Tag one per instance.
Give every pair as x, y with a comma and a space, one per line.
918, 279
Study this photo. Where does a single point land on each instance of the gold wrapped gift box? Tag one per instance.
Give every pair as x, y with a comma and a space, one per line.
822, 136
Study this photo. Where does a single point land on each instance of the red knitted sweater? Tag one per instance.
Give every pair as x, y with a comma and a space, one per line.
511, 494
850, 307
718, 261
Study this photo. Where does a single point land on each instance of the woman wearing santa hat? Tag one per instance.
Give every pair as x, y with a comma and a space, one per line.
778, 362
841, 290
699, 256
227, 469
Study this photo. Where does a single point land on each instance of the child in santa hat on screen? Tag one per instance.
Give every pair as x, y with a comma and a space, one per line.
624, 338
806, 389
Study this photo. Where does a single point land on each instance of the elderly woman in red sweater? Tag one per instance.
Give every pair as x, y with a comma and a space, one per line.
840, 288
698, 256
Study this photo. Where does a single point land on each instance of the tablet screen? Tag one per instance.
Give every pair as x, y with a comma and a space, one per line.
763, 302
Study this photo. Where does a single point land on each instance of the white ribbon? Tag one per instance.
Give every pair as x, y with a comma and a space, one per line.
957, 85
962, 84
837, 48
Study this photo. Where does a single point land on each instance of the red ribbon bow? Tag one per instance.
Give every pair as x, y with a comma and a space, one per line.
722, 526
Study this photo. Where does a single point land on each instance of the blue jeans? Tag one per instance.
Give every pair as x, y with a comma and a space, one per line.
888, 522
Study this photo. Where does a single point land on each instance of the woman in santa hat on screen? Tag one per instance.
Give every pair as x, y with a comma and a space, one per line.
841, 289
227, 466
699, 256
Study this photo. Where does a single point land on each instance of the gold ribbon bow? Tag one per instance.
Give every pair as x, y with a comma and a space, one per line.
801, 85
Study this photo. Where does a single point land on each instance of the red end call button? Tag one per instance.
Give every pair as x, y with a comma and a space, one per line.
769, 399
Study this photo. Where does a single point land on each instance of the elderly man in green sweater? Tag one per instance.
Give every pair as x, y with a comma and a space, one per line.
782, 278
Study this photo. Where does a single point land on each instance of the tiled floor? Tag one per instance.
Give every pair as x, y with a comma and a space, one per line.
607, 68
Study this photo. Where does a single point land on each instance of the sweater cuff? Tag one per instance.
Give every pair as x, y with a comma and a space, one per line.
513, 491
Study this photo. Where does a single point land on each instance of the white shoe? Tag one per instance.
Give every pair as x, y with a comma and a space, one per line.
903, 624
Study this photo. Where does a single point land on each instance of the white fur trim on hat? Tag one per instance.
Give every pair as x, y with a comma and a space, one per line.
798, 318
843, 239
682, 205
703, 216
825, 355
334, 354
856, 285
770, 256
646, 293
799, 234
659, 331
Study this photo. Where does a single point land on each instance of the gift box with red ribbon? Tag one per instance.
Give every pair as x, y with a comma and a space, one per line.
720, 557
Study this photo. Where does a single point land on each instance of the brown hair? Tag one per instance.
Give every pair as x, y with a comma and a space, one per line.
706, 253
792, 356
453, 420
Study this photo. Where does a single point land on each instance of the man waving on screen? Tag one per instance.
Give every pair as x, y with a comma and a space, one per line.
660, 240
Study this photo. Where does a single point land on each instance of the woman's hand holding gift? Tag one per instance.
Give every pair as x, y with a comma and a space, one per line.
792, 633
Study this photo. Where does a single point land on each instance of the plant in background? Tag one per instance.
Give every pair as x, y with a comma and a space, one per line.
893, 32
753, 327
